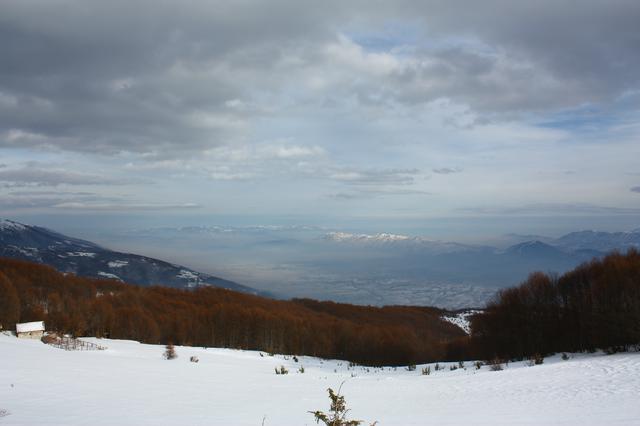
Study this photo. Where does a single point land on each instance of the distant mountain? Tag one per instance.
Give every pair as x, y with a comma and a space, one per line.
84, 258
396, 241
380, 238
534, 249
600, 241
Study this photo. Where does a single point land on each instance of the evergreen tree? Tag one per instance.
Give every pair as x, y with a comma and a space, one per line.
170, 352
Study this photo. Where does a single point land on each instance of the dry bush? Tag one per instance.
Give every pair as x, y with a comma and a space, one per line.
282, 370
337, 415
496, 364
170, 352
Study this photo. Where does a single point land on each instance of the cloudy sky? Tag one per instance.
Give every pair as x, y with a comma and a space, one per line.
388, 111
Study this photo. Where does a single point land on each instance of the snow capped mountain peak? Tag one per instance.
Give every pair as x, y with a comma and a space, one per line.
10, 225
380, 237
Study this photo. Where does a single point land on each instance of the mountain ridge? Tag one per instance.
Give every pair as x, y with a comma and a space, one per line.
85, 258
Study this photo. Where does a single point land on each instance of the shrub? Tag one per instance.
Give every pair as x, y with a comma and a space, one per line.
460, 364
170, 352
411, 367
426, 371
337, 415
478, 365
495, 364
537, 359
282, 370
194, 359
453, 367
615, 349
437, 367
301, 370
565, 357
49, 338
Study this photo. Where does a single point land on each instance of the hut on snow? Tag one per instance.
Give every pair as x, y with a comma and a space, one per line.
30, 330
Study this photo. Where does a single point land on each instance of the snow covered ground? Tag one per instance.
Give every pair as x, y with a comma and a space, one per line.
462, 319
130, 383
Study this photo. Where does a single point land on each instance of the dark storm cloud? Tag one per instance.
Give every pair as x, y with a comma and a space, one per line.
173, 78
135, 76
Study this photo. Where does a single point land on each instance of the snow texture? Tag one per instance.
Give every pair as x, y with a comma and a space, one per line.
188, 275
131, 384
81, 254
348, 237
118, 263
9, 225
109, 276
26, 327
462, 319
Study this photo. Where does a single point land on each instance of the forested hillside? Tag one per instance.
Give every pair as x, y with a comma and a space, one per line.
217, 317
596, 305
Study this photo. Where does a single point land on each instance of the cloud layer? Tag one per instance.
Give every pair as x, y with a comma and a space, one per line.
155, 76
285, 106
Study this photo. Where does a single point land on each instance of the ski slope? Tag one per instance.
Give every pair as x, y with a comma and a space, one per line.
131, 384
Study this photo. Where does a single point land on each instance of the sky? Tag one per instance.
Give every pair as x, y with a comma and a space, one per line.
436, 116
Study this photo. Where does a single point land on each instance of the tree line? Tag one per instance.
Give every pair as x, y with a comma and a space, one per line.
594, 306
214, 317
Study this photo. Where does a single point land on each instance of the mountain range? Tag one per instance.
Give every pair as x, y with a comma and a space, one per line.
592, 241
87, 259
320, 263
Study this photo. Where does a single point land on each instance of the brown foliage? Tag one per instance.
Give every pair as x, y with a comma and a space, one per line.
9, 304
396, 335
597, 305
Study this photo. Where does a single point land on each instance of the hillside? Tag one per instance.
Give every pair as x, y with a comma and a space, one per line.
86, 259
596, 305
131, 384
209, 316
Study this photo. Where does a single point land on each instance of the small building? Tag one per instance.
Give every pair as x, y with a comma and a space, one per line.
30, 330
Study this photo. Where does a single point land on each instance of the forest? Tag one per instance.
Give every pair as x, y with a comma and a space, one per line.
596, 305
209, 316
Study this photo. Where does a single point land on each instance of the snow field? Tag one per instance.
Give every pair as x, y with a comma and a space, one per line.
131, 384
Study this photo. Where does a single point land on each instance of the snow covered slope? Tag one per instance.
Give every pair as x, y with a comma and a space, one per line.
130, 383
84, 258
